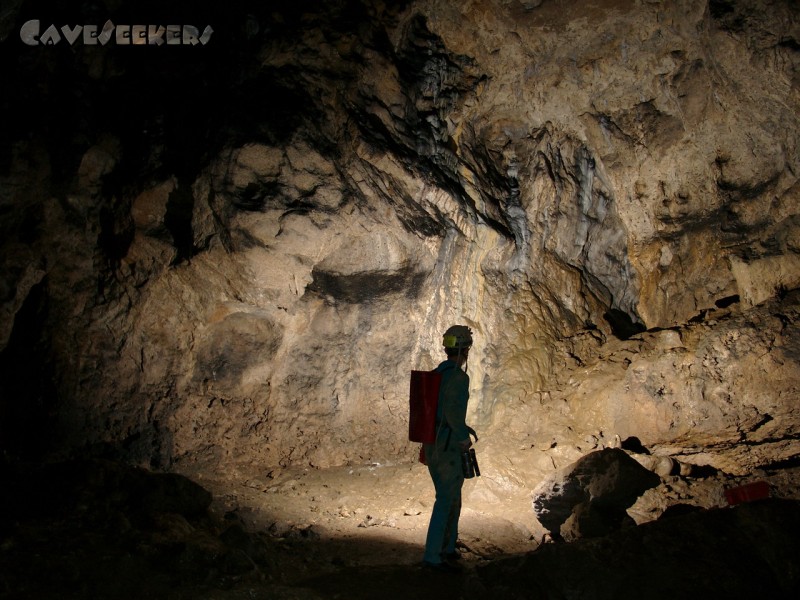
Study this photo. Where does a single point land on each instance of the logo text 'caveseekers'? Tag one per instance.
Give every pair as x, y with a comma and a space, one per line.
123, 35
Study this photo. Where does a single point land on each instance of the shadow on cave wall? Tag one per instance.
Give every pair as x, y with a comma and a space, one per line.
172, 108
28, 395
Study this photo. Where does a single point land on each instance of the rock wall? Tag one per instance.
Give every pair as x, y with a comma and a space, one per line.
245, 274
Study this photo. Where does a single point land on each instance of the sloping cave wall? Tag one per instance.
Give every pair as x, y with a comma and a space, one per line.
233, 254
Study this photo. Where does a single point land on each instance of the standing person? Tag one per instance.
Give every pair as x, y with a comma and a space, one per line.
444, 455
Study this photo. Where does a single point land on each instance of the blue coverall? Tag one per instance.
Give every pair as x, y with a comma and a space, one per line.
444, 462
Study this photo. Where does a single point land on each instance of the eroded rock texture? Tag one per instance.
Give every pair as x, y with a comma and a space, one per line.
234, 255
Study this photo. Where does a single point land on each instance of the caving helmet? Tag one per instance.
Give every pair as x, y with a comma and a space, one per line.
457, 337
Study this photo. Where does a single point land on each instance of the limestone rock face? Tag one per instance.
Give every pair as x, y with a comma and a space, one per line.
735, 373
606, 194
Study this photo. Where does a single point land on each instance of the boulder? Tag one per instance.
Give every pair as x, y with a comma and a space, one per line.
589, 497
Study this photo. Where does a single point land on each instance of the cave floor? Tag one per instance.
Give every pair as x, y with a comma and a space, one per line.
359, 532
349, 532
371, 515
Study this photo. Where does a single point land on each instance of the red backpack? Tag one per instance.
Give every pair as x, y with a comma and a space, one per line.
423, 402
